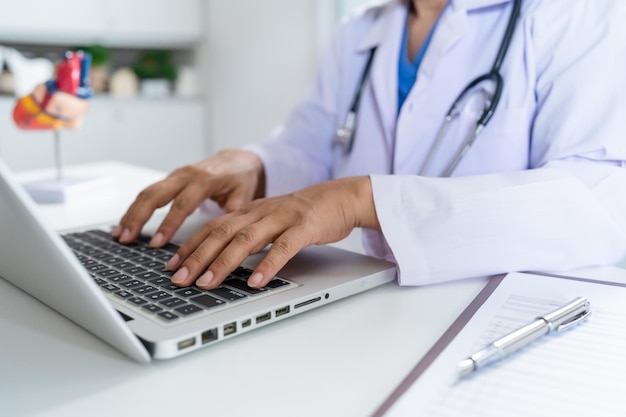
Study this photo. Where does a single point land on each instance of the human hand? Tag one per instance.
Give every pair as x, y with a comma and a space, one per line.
316, 215
232, 178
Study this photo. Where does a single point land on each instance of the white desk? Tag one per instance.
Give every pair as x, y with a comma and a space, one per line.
340, 360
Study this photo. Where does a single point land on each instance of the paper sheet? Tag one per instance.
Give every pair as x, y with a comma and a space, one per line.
579, 372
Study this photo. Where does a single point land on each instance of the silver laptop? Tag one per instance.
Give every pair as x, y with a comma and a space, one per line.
123, 295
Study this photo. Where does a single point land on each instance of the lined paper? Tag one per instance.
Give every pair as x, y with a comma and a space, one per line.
579, 372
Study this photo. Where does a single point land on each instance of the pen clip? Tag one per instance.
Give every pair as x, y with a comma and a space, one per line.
573, 322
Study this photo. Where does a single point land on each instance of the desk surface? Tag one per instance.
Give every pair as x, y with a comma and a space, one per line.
340, 360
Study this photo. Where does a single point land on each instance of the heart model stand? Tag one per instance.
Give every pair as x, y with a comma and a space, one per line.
64, 189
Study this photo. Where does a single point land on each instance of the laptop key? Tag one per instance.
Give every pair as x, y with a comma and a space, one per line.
187, 292
170, 287
100, 233
96, 268
157, 252
100, 281
159, 295
123, 294
100, 255
107, 273
171, 248
207, 301
109, 287
145, 289
123, 265
166, 315
136, 300
188, 309
132, 284
156, 265
172, 302
241, 272
160, 281
147, 275
276, 283
140, 259
122, 278
228, 294
121, 251
111, 260
153, 308
134, 270
243, 286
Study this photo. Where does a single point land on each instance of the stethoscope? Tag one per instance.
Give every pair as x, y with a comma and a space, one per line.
345, 132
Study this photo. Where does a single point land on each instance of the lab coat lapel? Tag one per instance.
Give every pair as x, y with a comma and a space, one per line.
385, 35
450, 30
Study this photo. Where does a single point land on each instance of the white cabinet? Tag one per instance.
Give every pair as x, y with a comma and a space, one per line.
160, 134
139, 23
155, 19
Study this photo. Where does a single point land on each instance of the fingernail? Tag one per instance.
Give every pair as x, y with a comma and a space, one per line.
125, 235
180, 275
117, 231
172, 263
157, 240
205, 279
255, 279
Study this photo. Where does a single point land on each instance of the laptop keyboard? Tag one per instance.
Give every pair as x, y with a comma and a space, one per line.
136, 274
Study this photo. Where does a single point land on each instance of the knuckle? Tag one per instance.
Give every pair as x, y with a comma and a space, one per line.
148, 193
181, 203
246, 236
221, 263
195, 260
283, 248
221, 232
185, 171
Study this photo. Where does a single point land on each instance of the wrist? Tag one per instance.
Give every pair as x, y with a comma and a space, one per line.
362, 201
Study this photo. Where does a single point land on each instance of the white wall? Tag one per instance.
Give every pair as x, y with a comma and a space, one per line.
260, 59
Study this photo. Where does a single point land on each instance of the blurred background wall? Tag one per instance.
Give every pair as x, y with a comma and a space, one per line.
176, 81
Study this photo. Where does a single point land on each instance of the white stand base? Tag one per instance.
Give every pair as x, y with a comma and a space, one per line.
54, 191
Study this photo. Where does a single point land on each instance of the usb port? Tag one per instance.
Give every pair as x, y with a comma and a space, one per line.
230, 328
186, 343
281, 311
264, 317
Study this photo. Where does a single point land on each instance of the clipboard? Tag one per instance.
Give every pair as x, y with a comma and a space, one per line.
544, 287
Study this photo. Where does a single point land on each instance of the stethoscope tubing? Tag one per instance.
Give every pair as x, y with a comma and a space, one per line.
345, 133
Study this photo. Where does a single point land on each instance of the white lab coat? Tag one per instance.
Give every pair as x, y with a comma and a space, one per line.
543, 187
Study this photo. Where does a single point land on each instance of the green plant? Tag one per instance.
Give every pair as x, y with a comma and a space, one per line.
156, 64
100, 55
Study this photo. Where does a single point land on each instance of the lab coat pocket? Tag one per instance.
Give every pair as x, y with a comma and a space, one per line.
503, 145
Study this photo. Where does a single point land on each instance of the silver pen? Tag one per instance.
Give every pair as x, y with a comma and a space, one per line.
560, 319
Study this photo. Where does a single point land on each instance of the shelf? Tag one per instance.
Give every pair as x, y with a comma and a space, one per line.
113, 23
111, 40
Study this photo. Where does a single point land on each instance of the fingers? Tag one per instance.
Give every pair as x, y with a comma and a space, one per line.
282, 250
218, 249
185, 203
153, 197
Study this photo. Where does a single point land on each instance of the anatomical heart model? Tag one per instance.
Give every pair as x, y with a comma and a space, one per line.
58, 104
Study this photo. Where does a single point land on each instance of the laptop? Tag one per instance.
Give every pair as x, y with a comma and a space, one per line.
122, 294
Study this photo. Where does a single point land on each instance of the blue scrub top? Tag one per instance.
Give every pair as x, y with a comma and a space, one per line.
407, 68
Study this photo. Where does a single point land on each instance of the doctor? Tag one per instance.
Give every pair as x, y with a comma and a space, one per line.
542, 187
